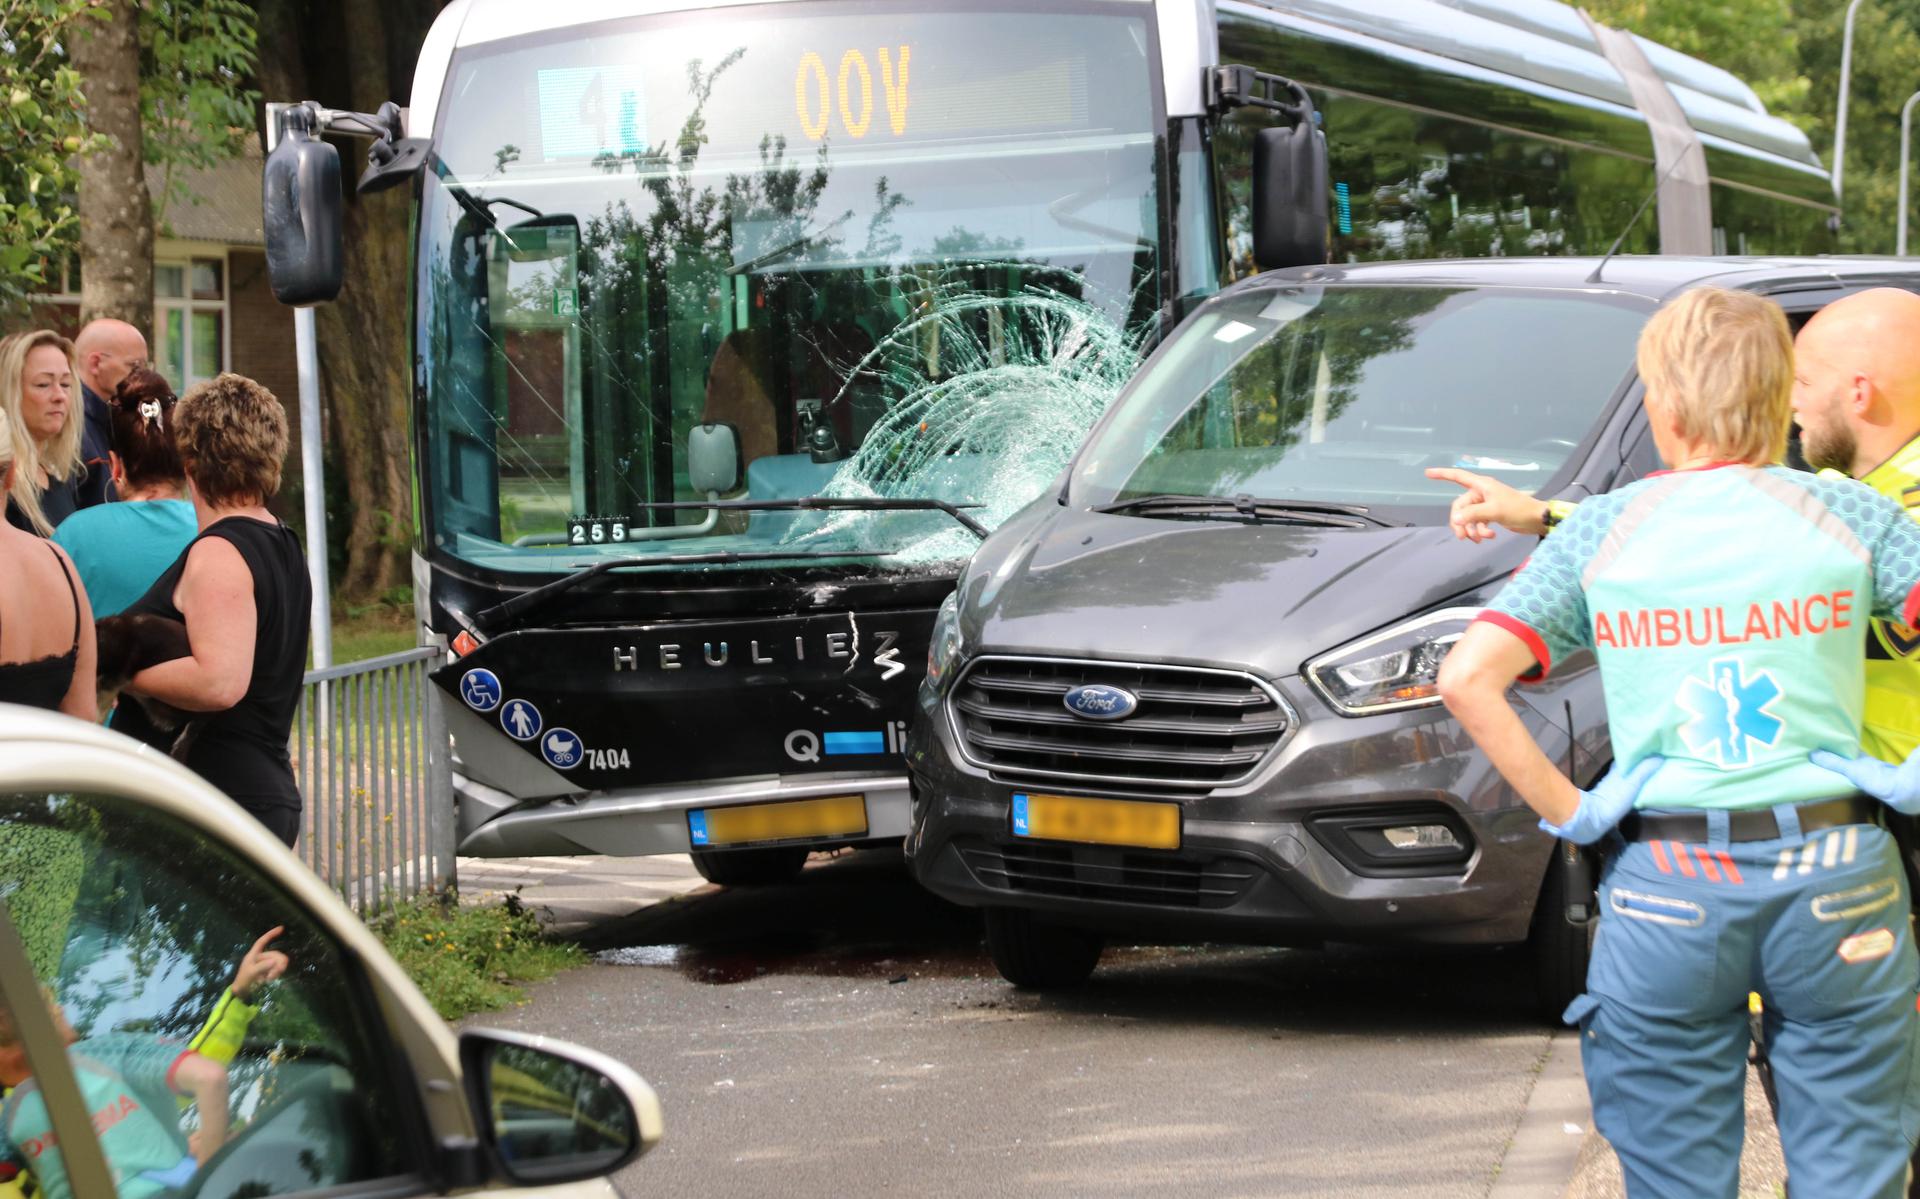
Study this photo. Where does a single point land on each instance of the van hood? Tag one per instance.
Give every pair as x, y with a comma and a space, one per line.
1263, 597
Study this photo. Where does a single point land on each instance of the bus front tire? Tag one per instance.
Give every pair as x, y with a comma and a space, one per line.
1036, 956
750, 867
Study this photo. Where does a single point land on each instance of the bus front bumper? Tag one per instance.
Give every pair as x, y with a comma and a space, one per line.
655, 820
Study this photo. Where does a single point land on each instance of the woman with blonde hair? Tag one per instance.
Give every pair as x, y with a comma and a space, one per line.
38, 395
46, 628
1725, 601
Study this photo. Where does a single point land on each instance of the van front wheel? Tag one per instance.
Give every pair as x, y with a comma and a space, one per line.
1036, 956
1560, 947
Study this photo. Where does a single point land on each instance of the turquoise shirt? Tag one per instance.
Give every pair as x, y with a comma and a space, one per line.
121, 548
1727, 608
124, 1079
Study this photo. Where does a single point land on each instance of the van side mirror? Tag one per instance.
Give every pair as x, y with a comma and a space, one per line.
549, 1112
1290, 196
300, 196
713, 458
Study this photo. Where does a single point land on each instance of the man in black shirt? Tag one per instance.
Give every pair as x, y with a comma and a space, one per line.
106, 351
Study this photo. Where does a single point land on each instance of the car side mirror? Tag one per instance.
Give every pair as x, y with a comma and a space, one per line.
713, 458
549, 1112
1290, 196
300, 197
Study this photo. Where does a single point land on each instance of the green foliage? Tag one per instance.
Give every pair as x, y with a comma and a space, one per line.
469, 959
195, 107
42, 126
1789, 52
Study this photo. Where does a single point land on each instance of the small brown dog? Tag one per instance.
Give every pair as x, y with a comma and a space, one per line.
125, 646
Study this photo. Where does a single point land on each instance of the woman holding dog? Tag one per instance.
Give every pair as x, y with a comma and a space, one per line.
46, 629
121, 548
241, 588
40, 398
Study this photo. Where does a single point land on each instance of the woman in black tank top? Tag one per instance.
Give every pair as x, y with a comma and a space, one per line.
242, 590
58, 681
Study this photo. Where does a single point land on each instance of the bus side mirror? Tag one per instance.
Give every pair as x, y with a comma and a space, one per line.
300, 188
1290, 196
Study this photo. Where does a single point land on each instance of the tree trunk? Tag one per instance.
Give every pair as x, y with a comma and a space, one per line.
116, 214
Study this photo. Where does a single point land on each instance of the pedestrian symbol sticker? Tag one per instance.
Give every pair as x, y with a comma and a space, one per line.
481, 689
521, 720
1730, 713
561, 748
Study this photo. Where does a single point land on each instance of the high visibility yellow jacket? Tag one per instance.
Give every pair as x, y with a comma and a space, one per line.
1892, 729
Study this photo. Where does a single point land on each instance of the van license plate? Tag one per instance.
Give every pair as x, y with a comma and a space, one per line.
789, 820
1097, 821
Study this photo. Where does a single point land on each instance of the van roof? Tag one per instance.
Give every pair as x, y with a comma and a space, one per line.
1653, 276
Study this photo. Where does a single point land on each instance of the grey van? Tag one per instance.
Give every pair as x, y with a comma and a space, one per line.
1190, 693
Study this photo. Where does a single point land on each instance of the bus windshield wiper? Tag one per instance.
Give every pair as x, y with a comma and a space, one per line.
1305, 512
489, 620
824, 503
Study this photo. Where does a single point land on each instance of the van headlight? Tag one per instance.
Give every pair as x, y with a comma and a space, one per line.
1391, 670
943, 652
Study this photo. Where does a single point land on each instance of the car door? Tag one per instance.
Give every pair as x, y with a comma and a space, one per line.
146, 912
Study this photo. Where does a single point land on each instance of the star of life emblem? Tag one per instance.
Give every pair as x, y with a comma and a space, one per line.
1729, 710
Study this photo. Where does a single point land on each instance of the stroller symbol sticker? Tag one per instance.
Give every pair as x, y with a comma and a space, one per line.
561, 748
521, 720
481, 689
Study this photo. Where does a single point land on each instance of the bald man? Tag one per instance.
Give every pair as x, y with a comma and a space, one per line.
107, 351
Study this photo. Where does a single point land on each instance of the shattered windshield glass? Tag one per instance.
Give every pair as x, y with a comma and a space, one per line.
1347, 394
761, 254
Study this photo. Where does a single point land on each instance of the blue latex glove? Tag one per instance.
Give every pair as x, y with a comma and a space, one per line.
1607, 804
1896, 786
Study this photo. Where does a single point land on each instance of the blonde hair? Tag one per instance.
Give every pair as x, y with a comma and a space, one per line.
232, 435
60, 458
1722, 362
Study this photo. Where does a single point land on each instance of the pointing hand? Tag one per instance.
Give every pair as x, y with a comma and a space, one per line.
1896, 786
1607, 804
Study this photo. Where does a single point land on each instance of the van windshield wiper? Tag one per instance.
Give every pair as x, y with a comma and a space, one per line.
1247, 507
490, 619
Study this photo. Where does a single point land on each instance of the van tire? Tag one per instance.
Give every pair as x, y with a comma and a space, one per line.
750, 867
1560, 948
1036, 956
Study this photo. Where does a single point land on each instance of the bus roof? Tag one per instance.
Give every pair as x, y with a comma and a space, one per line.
1542, 41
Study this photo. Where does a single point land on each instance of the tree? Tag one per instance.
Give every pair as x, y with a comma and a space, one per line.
116, 214
195, 107
358, 54
42, 125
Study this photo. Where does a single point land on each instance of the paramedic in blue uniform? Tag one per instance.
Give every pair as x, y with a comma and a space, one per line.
1725, 601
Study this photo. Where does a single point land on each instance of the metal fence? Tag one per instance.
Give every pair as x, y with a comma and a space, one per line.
371, 756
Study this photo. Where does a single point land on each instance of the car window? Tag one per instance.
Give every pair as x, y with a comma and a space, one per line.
158, 950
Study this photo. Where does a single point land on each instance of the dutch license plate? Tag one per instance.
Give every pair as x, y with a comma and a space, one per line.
1097, 821
789, 820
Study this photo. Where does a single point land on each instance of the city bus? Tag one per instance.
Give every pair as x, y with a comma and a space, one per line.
736, 326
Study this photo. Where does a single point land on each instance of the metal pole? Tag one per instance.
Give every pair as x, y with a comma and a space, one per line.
313, 484
1906, 136
1840, 118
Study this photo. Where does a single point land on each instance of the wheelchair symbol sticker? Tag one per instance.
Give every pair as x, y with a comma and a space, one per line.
521, 720
481, 689
561, 748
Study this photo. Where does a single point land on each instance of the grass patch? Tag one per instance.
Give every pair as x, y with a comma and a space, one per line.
472, 958
361, 632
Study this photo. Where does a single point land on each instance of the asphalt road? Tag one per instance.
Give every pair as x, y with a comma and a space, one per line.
847, 1035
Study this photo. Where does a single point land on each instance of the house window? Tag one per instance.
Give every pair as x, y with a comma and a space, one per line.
190, 320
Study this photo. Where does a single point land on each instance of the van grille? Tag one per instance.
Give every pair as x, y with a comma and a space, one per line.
1083, 872
1194, 727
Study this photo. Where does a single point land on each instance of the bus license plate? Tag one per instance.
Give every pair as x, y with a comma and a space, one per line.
1097, 821
788, 820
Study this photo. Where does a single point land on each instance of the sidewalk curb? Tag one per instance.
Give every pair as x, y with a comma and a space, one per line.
1545, 1150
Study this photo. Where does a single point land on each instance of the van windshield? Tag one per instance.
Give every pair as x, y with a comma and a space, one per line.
1347, 394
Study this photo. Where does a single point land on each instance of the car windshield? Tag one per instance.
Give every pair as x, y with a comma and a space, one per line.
1347, 394
761, 254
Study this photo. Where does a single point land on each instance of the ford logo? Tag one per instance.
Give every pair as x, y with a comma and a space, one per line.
1097, 702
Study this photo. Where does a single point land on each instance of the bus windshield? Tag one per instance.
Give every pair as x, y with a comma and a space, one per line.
768, 253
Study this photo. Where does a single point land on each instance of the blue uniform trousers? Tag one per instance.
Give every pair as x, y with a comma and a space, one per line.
1818, 926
